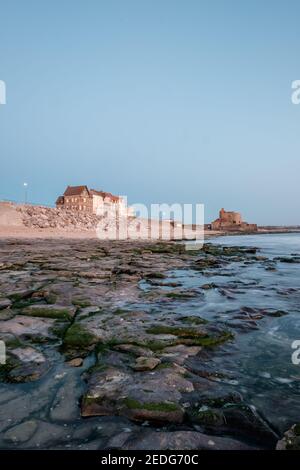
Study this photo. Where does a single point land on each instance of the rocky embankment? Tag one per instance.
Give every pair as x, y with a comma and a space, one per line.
39, 217
92, 331
43, 219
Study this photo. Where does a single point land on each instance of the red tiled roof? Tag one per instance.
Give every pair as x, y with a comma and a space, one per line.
78, 190
75, 190
104, 194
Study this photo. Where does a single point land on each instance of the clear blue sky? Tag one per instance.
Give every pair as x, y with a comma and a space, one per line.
162, 100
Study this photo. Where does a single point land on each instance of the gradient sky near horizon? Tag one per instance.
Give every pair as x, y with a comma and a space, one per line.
163, 100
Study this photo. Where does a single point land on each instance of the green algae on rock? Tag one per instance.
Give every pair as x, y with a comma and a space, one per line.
78, 338
50, 311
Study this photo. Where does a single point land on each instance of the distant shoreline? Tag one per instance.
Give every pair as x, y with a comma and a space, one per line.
259, 232
15, 224
15, 232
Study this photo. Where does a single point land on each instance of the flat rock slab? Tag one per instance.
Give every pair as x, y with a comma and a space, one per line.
50, 311
178, 440
28, 354
21, 432
65, 407
140, 396
22, 325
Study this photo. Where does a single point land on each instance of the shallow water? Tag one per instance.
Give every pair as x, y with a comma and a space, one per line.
260, 361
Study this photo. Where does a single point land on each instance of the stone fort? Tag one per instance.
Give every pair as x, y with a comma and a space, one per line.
232, 221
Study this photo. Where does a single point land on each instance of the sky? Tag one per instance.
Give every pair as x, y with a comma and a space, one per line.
165, 101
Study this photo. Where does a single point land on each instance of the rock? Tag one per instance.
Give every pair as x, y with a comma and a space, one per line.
104, 391
132, 349
86, 311
290, 440
26, 364
6, 314
76, 362
248, 423
50, 311
16, 410
209, 286
161, 411
27, 372
286, 259
181, 294
118, 441
180, 352
20, 294
176, 440
78, 340
104, 427
24, 326
274, 313
7, 394
28, 354
141, 396
65, 407
48, 435
146, 363
207, 417
21, 432
4, 303
94, 444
